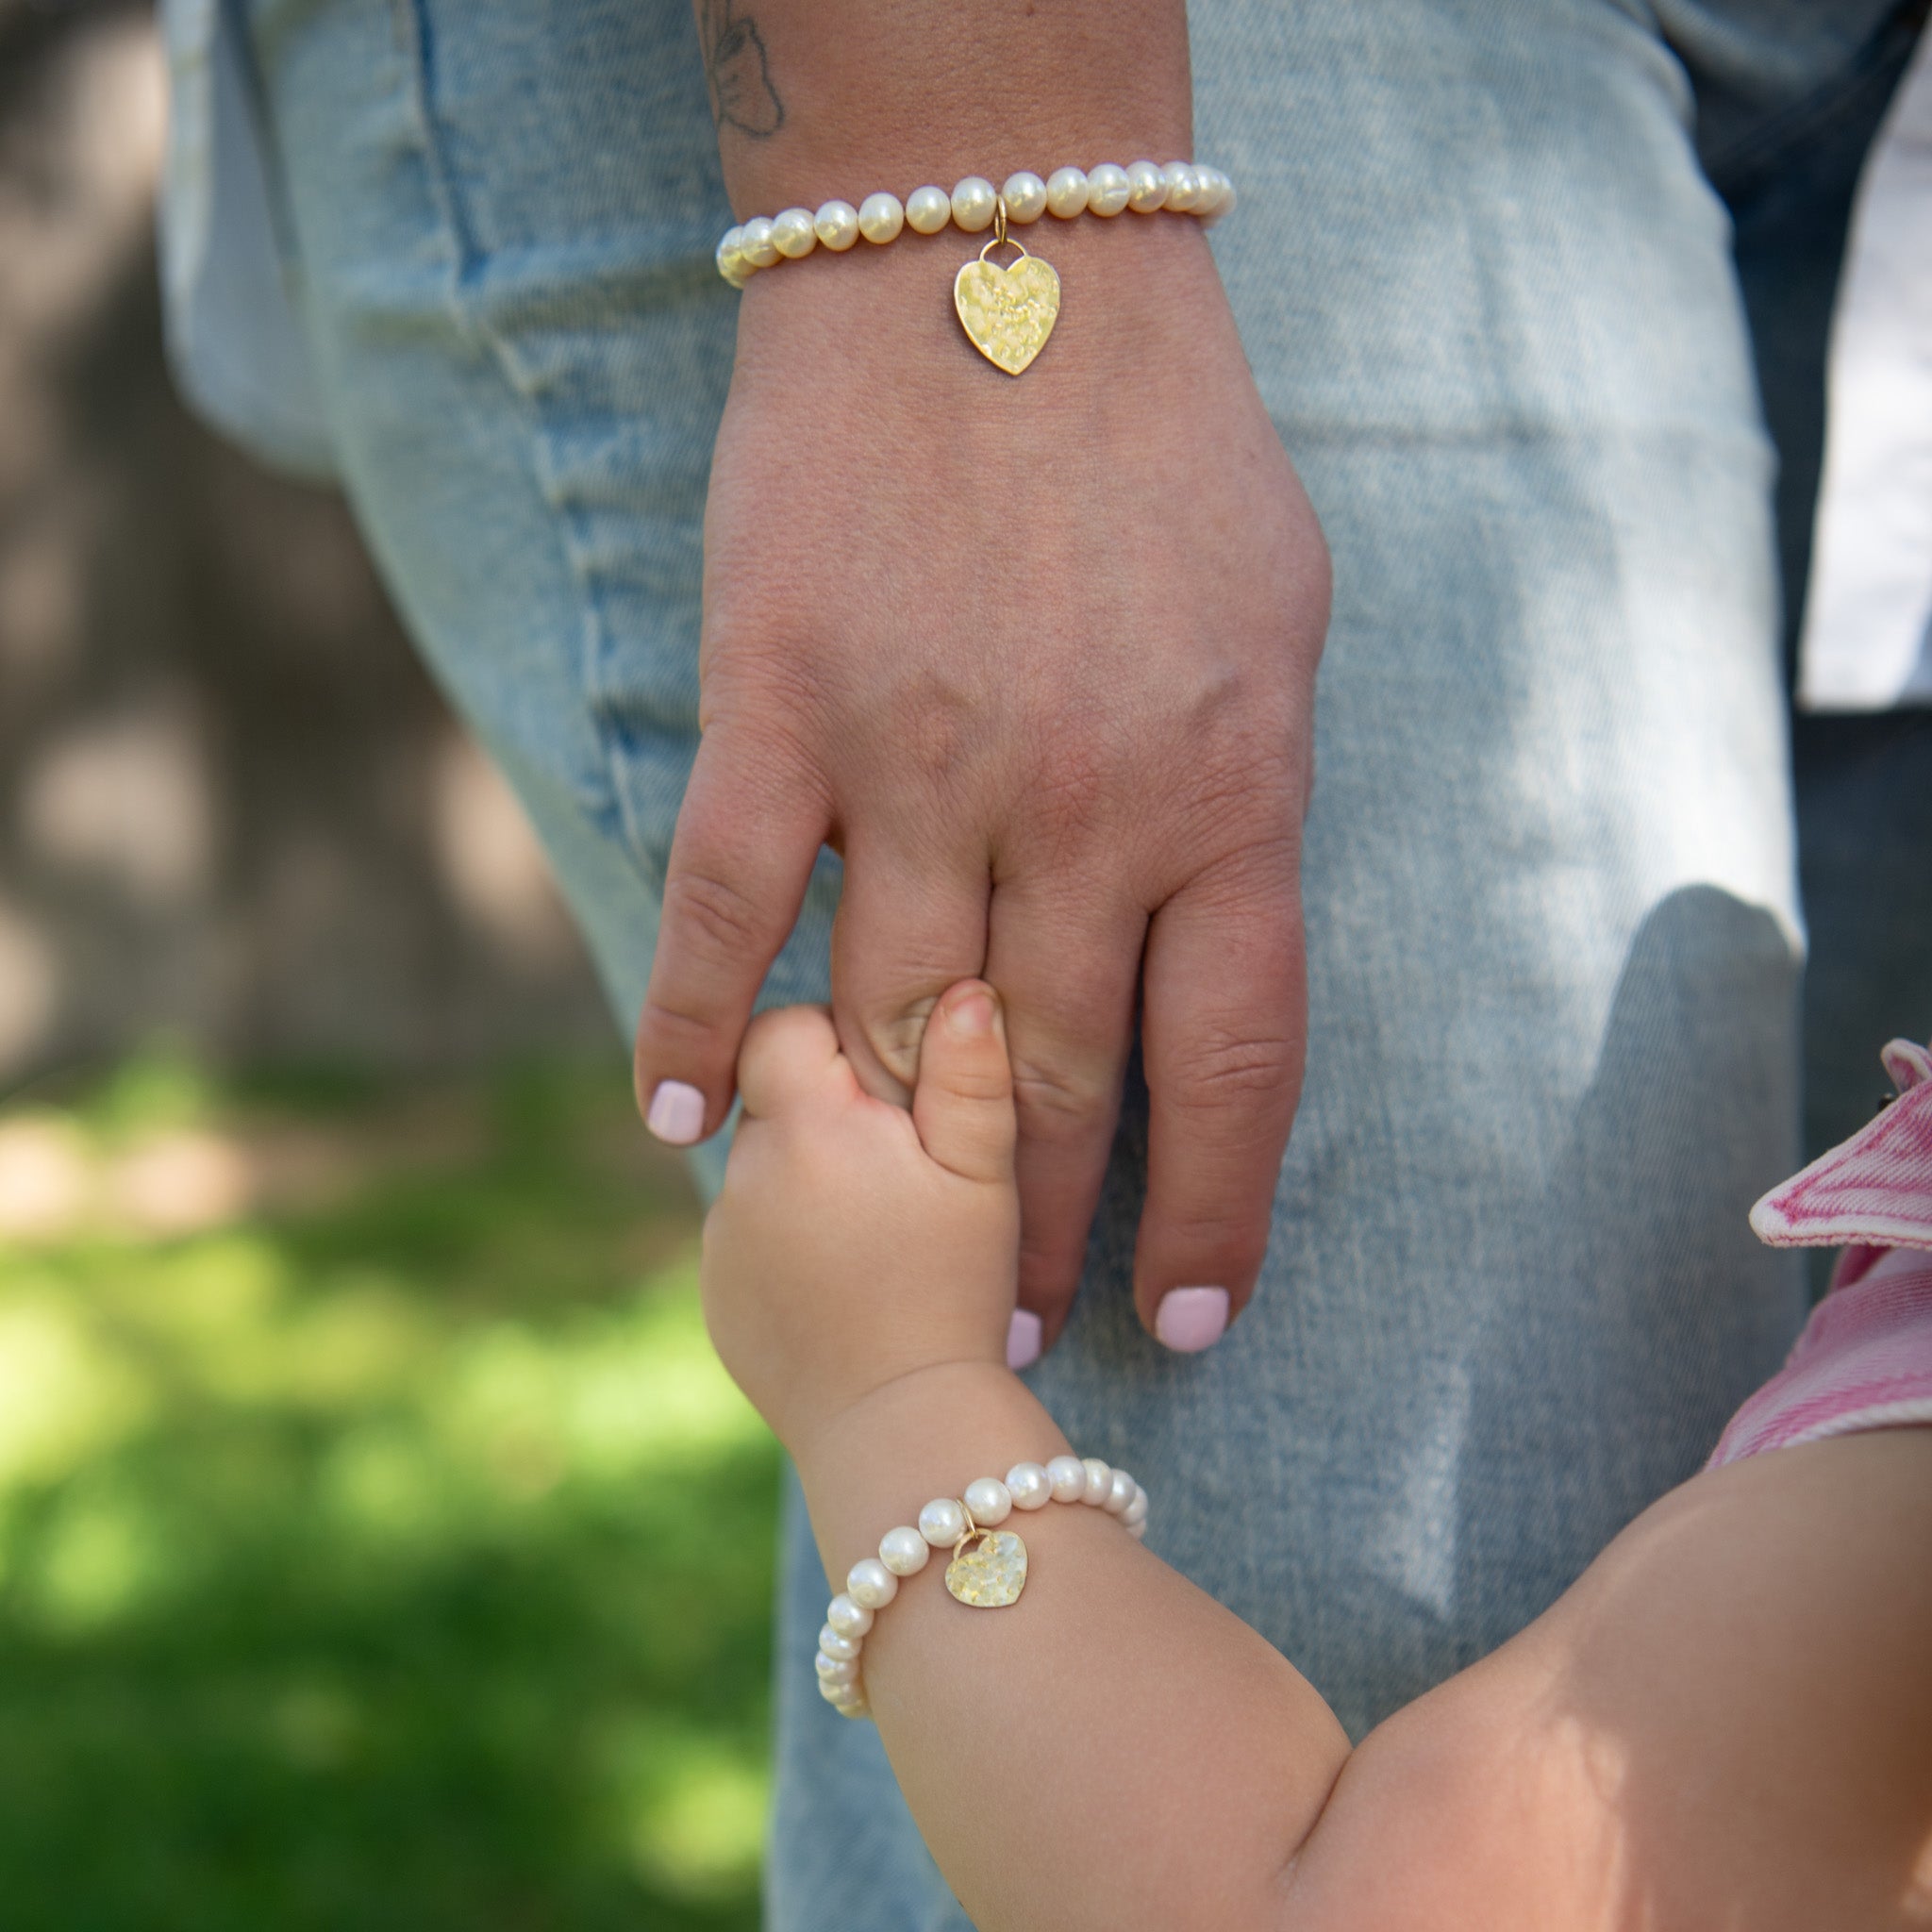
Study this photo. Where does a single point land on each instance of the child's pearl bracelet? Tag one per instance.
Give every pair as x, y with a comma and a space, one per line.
987, 1577
1007, 312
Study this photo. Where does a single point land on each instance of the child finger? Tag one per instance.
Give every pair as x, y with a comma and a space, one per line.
787, 1054
963, 1104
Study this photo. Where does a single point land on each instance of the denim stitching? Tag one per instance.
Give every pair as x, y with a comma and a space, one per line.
468, 259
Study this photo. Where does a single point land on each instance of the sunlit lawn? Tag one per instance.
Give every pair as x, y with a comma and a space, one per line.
380, 1545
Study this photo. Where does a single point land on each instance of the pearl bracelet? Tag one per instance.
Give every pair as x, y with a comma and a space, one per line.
1008, 313
988, 1577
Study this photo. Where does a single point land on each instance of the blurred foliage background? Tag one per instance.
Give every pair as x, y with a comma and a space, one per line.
379, 1542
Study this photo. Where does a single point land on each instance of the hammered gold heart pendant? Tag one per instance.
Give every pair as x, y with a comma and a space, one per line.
1008, 313
993, 1575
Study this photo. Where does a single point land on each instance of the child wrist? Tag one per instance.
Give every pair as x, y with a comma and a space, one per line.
870, 1419
988, 1564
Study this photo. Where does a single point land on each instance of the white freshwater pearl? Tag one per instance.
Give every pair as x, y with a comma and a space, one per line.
881, 217
836, 1670
1146, 188
837, 226
1025, 196
942, 1522
1068, 1475
1107, 189
1183, 186
792, 234
755, 244
903, 1551
1029, 1486
844, 1648
974, 200
1214, 186
1136, 1512
988, 1500
731, 264
836, 1693
1066, 193
1099, 1480
929, 210
846, 1617
1227, 199
1137, 1530
1120, 1492
869, 1584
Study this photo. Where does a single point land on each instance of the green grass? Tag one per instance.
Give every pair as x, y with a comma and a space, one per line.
380, 1545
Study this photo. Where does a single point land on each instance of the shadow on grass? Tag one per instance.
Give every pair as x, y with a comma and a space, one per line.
402, 1561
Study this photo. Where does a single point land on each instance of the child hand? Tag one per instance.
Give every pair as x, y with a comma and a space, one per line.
855, 1242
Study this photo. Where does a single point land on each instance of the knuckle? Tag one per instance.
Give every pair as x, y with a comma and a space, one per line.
725, 922
984, 1084
1074, 794
673, 1035
753, 665
776, 766
1251, 889
1228, 1067
980, 1078
1061, 1101
1246, 800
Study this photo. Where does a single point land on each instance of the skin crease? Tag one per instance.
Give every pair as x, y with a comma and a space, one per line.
1037, 657
1724, 1725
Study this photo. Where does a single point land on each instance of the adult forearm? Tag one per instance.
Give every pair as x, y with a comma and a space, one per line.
816, 98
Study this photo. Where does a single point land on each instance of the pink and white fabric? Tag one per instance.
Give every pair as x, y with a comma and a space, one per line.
1864, 1360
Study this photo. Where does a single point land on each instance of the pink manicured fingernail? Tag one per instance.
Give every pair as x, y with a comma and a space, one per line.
1022, 1340
1191, 1318
676, 1113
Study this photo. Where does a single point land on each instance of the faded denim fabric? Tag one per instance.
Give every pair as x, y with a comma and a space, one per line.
1489, 292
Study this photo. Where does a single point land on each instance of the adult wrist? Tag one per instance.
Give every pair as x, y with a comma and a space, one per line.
835, 94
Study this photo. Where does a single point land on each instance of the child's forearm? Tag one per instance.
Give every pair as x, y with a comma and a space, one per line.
1115, 1750
1726, 1722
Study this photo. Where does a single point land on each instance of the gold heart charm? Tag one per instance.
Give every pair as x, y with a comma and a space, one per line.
1008, 313
993, 1575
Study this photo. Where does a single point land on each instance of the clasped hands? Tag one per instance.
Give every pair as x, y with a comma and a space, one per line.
1726, 1722
1037, 658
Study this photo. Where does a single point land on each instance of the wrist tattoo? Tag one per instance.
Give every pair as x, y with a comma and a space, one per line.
736, 72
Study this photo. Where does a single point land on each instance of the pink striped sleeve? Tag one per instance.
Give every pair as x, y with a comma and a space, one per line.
1864, 1360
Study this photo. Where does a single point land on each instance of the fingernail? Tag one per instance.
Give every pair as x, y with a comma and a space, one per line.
1191, 1318
1022, 1340
676, 1113
971, 1016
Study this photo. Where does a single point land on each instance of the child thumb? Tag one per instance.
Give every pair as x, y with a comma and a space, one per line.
963, 1104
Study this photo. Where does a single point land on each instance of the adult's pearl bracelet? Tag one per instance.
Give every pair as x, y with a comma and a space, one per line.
988, 1576
1007, 312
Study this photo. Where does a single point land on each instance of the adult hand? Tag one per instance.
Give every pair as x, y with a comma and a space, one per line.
1037, 657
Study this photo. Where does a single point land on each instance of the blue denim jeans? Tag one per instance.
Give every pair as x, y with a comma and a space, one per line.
1488, 283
